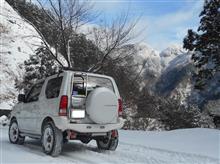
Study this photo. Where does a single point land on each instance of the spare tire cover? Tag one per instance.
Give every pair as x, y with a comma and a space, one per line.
102, 106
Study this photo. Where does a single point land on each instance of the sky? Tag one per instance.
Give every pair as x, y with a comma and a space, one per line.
162, 22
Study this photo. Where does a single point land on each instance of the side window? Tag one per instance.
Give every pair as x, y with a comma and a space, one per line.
53, 87
34, 93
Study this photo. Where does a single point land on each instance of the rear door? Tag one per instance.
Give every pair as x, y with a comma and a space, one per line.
83, 85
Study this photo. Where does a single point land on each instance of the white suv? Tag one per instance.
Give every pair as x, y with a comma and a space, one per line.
68, 106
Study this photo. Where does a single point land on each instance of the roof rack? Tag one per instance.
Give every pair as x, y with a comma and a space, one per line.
72, 69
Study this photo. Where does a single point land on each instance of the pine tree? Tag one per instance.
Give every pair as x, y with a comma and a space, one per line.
37, 67
205, 44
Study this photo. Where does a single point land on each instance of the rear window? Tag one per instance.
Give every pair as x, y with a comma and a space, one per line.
95, 82
53, 87
79, 85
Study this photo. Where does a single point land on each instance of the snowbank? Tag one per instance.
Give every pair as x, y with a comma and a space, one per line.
3, 120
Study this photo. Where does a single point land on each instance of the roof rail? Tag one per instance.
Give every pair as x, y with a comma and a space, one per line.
72, 69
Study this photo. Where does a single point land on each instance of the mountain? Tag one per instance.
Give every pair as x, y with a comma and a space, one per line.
19, 40
167, 73
175, 79
170, 73
150, 63
170, 54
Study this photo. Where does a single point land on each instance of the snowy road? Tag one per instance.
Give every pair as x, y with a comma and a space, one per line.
196, 146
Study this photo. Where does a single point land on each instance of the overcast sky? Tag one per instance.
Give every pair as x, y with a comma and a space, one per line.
163, 22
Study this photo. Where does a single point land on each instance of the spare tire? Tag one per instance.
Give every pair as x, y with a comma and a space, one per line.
102, 106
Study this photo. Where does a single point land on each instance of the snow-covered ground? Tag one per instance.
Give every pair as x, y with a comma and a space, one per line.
187, 146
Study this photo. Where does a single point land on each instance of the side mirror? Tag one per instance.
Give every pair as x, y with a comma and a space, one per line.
21, 98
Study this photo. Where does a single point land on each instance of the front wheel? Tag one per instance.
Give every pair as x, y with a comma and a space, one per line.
110, 142
52, 140
14, 133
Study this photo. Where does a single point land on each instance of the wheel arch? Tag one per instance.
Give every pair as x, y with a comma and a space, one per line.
12, 119
45, 120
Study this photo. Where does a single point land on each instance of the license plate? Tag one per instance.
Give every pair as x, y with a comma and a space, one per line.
78, 113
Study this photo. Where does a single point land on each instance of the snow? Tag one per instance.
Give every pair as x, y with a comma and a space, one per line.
186, 146
170, 54
156, 62
3, 120
198, 141
148, 54
5, 105
18, 41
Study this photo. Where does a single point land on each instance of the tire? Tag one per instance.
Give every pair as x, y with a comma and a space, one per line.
14, 133
52, 139
108, 143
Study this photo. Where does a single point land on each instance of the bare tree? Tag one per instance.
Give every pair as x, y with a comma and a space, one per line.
111, 37
67, 16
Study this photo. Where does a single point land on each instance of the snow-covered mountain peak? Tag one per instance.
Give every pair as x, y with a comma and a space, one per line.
172, 50
145, 50
148, 56
170, 53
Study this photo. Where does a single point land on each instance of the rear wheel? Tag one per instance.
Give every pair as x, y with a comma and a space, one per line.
52, 139
14, 133
110, 142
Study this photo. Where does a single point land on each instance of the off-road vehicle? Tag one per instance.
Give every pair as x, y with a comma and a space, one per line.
68, 106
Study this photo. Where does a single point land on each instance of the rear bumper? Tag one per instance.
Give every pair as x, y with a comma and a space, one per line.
64, 124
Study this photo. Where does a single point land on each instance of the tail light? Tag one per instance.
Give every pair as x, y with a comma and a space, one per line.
63, 105
114, 133
120, 108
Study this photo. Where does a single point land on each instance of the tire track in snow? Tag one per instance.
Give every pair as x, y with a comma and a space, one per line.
76, 152
129, 153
